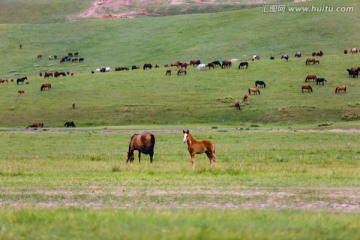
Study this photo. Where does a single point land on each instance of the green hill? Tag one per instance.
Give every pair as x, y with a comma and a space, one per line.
147, 97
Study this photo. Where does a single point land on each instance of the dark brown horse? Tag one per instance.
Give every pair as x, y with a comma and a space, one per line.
340, 88
311, 60
199, 147
45, 86
254, 90
168, 72
306, 87
21, 92
143, 143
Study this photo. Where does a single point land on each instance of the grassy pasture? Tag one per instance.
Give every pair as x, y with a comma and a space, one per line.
274, 178
266, 185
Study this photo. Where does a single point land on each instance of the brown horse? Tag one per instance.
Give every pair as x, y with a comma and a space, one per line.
245, 98
45, 86
310, 77
254, 90
311, 60
181, 71
36, 125
143, 143
340, 88
306, 87
199, 147
21, 92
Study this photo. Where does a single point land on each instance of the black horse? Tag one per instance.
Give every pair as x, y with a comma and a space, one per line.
260, 83
69, 124
243, 65
353, 72
216, 63
320, 81
147, 66
21, 80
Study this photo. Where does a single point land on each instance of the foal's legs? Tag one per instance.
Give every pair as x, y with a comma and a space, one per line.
193, 161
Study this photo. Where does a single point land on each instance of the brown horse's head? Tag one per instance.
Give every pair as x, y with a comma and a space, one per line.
186, 135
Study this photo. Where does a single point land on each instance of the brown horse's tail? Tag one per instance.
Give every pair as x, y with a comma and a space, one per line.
42, 87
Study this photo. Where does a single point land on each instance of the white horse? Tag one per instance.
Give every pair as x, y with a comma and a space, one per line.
201, 66
97, 70
107, 69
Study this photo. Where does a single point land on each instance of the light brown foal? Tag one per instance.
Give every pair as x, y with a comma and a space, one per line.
199, 147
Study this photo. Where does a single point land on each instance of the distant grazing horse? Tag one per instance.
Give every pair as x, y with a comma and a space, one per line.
199, 147
298, 55
226, 64
216, 63
21, 92
255, 57
147, 66
312, 60
194, 62
45, 86
272, 58
21, 80
320, 81
243, 65
168, 72
181, 71
39, 56
143, 143
245, 98
310, 77
48, 74
353, 72
135, 67
237, 105
354, 50
175, 64
345, 51
201, 66
306, 87
69, 124
340, 88
36, 125
211, 65
254, 90
260, 83
285, 56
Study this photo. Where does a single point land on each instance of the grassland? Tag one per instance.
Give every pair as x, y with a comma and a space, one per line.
284, 170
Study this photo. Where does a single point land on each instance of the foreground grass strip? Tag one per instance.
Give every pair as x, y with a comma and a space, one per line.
176, 224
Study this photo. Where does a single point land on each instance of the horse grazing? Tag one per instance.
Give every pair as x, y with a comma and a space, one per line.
254, 90
226, 64
311, 60
216, 63
237, 105
310, 77
194, 63
69, 124
243, 65
320, 81
143, 143
201, 66
199, 147
285, 56
354, 50
168, 72
48, 74
353, 72
36, 125
306, 87
45, 86
21, 80
297, 55
260, 83
340, 88
21, 92
245, 98
147, 66
181, 71
210, 65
